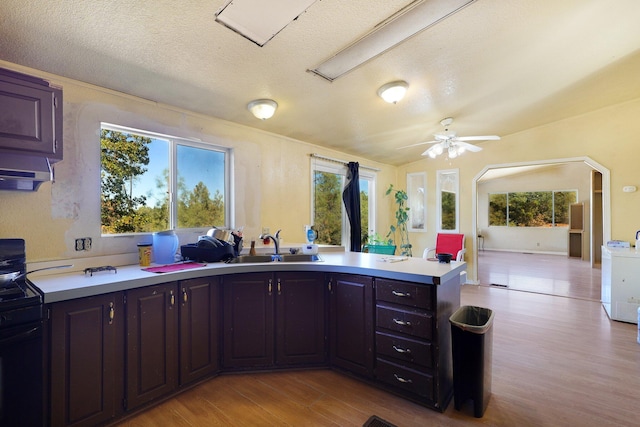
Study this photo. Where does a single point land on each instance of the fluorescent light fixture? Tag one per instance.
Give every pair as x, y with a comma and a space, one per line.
406, 23
263, 109
394, 91
260, 20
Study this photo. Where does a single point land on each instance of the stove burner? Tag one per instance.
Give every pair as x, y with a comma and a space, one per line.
92, 270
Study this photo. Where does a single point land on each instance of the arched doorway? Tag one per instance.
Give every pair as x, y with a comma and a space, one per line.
600, 234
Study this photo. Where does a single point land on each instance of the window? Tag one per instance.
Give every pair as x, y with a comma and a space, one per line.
447, 200
152, 182
531, 209
329, 215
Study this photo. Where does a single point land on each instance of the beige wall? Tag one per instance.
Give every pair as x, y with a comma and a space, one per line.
609, 136
272, 175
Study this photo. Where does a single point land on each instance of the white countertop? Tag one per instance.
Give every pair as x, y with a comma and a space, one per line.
622, 252
62, 285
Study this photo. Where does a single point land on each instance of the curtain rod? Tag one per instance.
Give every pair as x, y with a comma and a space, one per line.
329, 159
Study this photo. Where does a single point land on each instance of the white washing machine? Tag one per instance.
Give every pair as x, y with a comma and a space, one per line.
621, 283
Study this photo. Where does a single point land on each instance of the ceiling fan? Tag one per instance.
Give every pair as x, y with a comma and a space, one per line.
451, 144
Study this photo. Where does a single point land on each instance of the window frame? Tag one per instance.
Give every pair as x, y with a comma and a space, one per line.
174, 141
507, 207
340, 168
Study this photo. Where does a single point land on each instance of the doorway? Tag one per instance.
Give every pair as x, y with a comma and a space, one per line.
599, 224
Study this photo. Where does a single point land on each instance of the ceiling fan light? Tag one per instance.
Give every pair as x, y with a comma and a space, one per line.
263, 109
437, 149
452, 153
461, 150
432, 154
394, 91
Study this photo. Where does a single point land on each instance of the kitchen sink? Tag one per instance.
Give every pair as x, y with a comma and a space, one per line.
300, 258
283, 258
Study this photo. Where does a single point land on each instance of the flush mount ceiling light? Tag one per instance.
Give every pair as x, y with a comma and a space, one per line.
259, 20
407, 22
394, 91
263, 109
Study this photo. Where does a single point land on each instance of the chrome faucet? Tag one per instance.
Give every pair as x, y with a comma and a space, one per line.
276, 240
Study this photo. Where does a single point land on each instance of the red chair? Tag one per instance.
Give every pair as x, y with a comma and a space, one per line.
447, 243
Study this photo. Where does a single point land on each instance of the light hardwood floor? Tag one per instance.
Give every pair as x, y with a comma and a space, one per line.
557, 361
547, 274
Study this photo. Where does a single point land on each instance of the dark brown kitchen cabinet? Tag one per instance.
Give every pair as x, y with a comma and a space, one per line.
248, 320
300, 319
30, 116
351, 323
87, 360
413, 339
274, 320
199, 328
151, 343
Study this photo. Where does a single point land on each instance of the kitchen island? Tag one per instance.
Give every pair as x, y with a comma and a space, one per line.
145, 336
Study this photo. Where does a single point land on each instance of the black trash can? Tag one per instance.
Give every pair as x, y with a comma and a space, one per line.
471, 344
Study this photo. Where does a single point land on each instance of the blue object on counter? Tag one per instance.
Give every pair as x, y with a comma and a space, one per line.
165, 246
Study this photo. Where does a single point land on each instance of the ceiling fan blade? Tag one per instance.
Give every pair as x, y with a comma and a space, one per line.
478, 138
468, 147
417, 144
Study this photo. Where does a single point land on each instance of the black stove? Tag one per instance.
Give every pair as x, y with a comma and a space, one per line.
22, 373
20, 300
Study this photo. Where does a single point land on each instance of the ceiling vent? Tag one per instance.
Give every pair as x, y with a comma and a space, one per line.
260, 20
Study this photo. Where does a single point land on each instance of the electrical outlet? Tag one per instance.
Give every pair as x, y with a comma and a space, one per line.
83, 244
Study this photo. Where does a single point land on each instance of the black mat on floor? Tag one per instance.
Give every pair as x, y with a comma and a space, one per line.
376, 421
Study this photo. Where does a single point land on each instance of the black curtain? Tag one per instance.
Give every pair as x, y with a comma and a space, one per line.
351, 199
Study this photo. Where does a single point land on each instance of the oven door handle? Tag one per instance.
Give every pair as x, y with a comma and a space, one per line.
28, 333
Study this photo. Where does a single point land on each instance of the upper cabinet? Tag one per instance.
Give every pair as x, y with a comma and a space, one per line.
30, 116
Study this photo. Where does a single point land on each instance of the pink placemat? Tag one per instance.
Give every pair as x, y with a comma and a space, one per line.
173, 267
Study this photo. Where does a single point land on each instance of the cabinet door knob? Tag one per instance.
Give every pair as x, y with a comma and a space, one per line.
270, 287
112, 313
185, 297
172, 298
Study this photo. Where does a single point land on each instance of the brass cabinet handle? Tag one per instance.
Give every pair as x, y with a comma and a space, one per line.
112, 313
270, 285
329, 285
402, 350
402, 380
172, 298
402, 322
185, 297
401, 294
279, 289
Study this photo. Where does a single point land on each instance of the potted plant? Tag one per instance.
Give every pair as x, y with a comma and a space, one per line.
402, 218
376, 244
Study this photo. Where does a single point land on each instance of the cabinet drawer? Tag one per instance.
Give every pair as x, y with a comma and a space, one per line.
405, 349
419, 296
409, 380
416, 323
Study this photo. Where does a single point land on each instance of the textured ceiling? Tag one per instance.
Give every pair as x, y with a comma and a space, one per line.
497, 67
